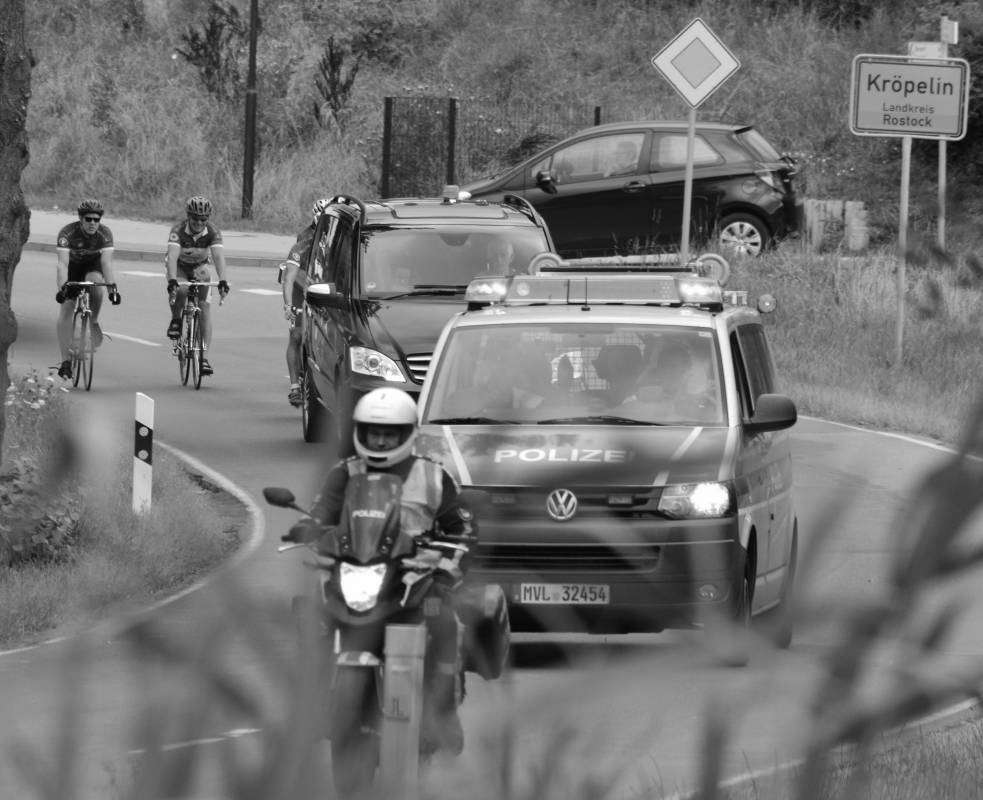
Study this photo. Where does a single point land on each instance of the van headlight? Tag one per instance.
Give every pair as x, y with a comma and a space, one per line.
697, 500
360, 585
367, 361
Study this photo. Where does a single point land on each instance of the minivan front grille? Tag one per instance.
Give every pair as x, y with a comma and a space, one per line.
568, 558
419, 364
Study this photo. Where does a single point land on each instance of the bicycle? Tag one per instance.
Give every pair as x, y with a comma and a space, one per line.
190, 347
80, 351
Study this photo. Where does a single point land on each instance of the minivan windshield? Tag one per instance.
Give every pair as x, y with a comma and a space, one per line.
576, 373
402, 260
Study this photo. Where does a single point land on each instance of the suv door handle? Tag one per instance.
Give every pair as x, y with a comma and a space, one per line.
633, 186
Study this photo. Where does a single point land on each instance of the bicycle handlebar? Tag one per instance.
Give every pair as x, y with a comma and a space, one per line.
85, 283
190, 284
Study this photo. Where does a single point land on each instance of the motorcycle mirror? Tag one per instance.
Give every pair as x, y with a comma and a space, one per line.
278, 496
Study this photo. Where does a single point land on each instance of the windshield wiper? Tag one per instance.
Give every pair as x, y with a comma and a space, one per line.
603, 418
469, 421
429, 290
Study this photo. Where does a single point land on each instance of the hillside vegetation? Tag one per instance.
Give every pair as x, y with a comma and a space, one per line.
141, 102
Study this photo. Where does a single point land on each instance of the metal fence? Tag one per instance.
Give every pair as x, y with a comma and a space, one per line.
430, 141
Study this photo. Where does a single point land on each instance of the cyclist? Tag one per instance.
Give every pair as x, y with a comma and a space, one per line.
293, 277
191, 245
85, 253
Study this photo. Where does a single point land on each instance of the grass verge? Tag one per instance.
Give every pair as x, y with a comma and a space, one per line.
75, 551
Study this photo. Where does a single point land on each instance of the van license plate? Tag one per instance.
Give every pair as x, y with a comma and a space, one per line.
564, 594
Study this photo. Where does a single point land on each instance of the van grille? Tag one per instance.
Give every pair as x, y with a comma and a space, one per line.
568, 558
419, 364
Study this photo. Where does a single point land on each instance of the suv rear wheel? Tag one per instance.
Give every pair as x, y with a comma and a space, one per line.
743, 234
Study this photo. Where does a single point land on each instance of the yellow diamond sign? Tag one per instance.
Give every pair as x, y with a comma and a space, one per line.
696, 62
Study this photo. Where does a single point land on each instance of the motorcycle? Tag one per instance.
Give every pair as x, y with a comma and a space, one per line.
372, 575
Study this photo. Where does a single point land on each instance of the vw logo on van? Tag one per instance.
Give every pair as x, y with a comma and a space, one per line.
561, 504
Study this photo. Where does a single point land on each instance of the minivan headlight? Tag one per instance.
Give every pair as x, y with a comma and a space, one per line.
367, 361
697, 500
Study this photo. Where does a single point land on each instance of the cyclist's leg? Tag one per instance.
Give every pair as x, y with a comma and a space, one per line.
293, 351
67, 310
180, 298
64, 327
96, 294
294, 396
206, 320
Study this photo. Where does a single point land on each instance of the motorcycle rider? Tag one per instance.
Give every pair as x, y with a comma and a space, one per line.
385, 427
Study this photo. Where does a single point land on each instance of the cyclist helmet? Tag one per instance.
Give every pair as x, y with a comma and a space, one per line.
390, 408
318, 207
90, 206
199, 206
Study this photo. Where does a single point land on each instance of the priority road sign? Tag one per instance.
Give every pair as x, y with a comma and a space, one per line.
695, 62
898, 96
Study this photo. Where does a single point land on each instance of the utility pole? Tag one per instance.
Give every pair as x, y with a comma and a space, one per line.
249, 150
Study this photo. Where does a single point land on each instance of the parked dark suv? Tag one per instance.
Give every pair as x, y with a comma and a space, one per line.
618, 189
384, 278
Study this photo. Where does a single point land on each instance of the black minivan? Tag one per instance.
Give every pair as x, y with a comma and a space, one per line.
617, 189
383, 277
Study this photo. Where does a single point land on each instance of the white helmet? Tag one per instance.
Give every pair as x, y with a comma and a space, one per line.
390, 407
318, 207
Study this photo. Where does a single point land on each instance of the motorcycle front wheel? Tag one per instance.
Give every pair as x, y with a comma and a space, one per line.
355, 723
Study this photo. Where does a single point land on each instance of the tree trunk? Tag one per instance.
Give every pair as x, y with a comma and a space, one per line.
15, 91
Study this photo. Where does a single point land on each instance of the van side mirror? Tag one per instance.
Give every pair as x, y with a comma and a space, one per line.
324, 295
773, 412
546, 181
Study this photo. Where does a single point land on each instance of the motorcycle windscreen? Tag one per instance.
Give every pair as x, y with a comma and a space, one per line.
371, 515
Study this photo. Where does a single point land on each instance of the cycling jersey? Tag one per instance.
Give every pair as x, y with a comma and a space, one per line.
195, 250
84, 251
297, 257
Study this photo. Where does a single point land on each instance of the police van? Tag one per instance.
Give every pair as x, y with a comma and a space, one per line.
623, 421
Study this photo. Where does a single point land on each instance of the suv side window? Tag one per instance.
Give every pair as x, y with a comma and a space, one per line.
596, 158
669, 152
317, 268
752, 365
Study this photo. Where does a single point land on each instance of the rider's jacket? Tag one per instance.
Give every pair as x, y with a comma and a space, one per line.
429, 496
194, 250
84, 251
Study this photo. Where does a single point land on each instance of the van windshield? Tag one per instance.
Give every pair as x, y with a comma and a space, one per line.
577, 374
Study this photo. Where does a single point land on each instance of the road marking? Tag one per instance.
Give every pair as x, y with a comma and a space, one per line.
222, 737
261, 291
139, 273
134, 339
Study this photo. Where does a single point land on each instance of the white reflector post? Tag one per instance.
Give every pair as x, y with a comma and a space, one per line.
402, 710
143, 453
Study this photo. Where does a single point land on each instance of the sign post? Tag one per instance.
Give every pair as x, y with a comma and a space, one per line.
909, 98
696, 63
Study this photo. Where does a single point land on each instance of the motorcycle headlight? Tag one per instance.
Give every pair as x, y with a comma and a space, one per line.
697, 500
367, 361
360, 585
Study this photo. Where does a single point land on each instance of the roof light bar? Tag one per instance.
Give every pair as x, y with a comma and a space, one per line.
596, 289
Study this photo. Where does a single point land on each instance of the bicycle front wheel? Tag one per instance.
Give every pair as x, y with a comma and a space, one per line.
184, 348
197, 352
80, 328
